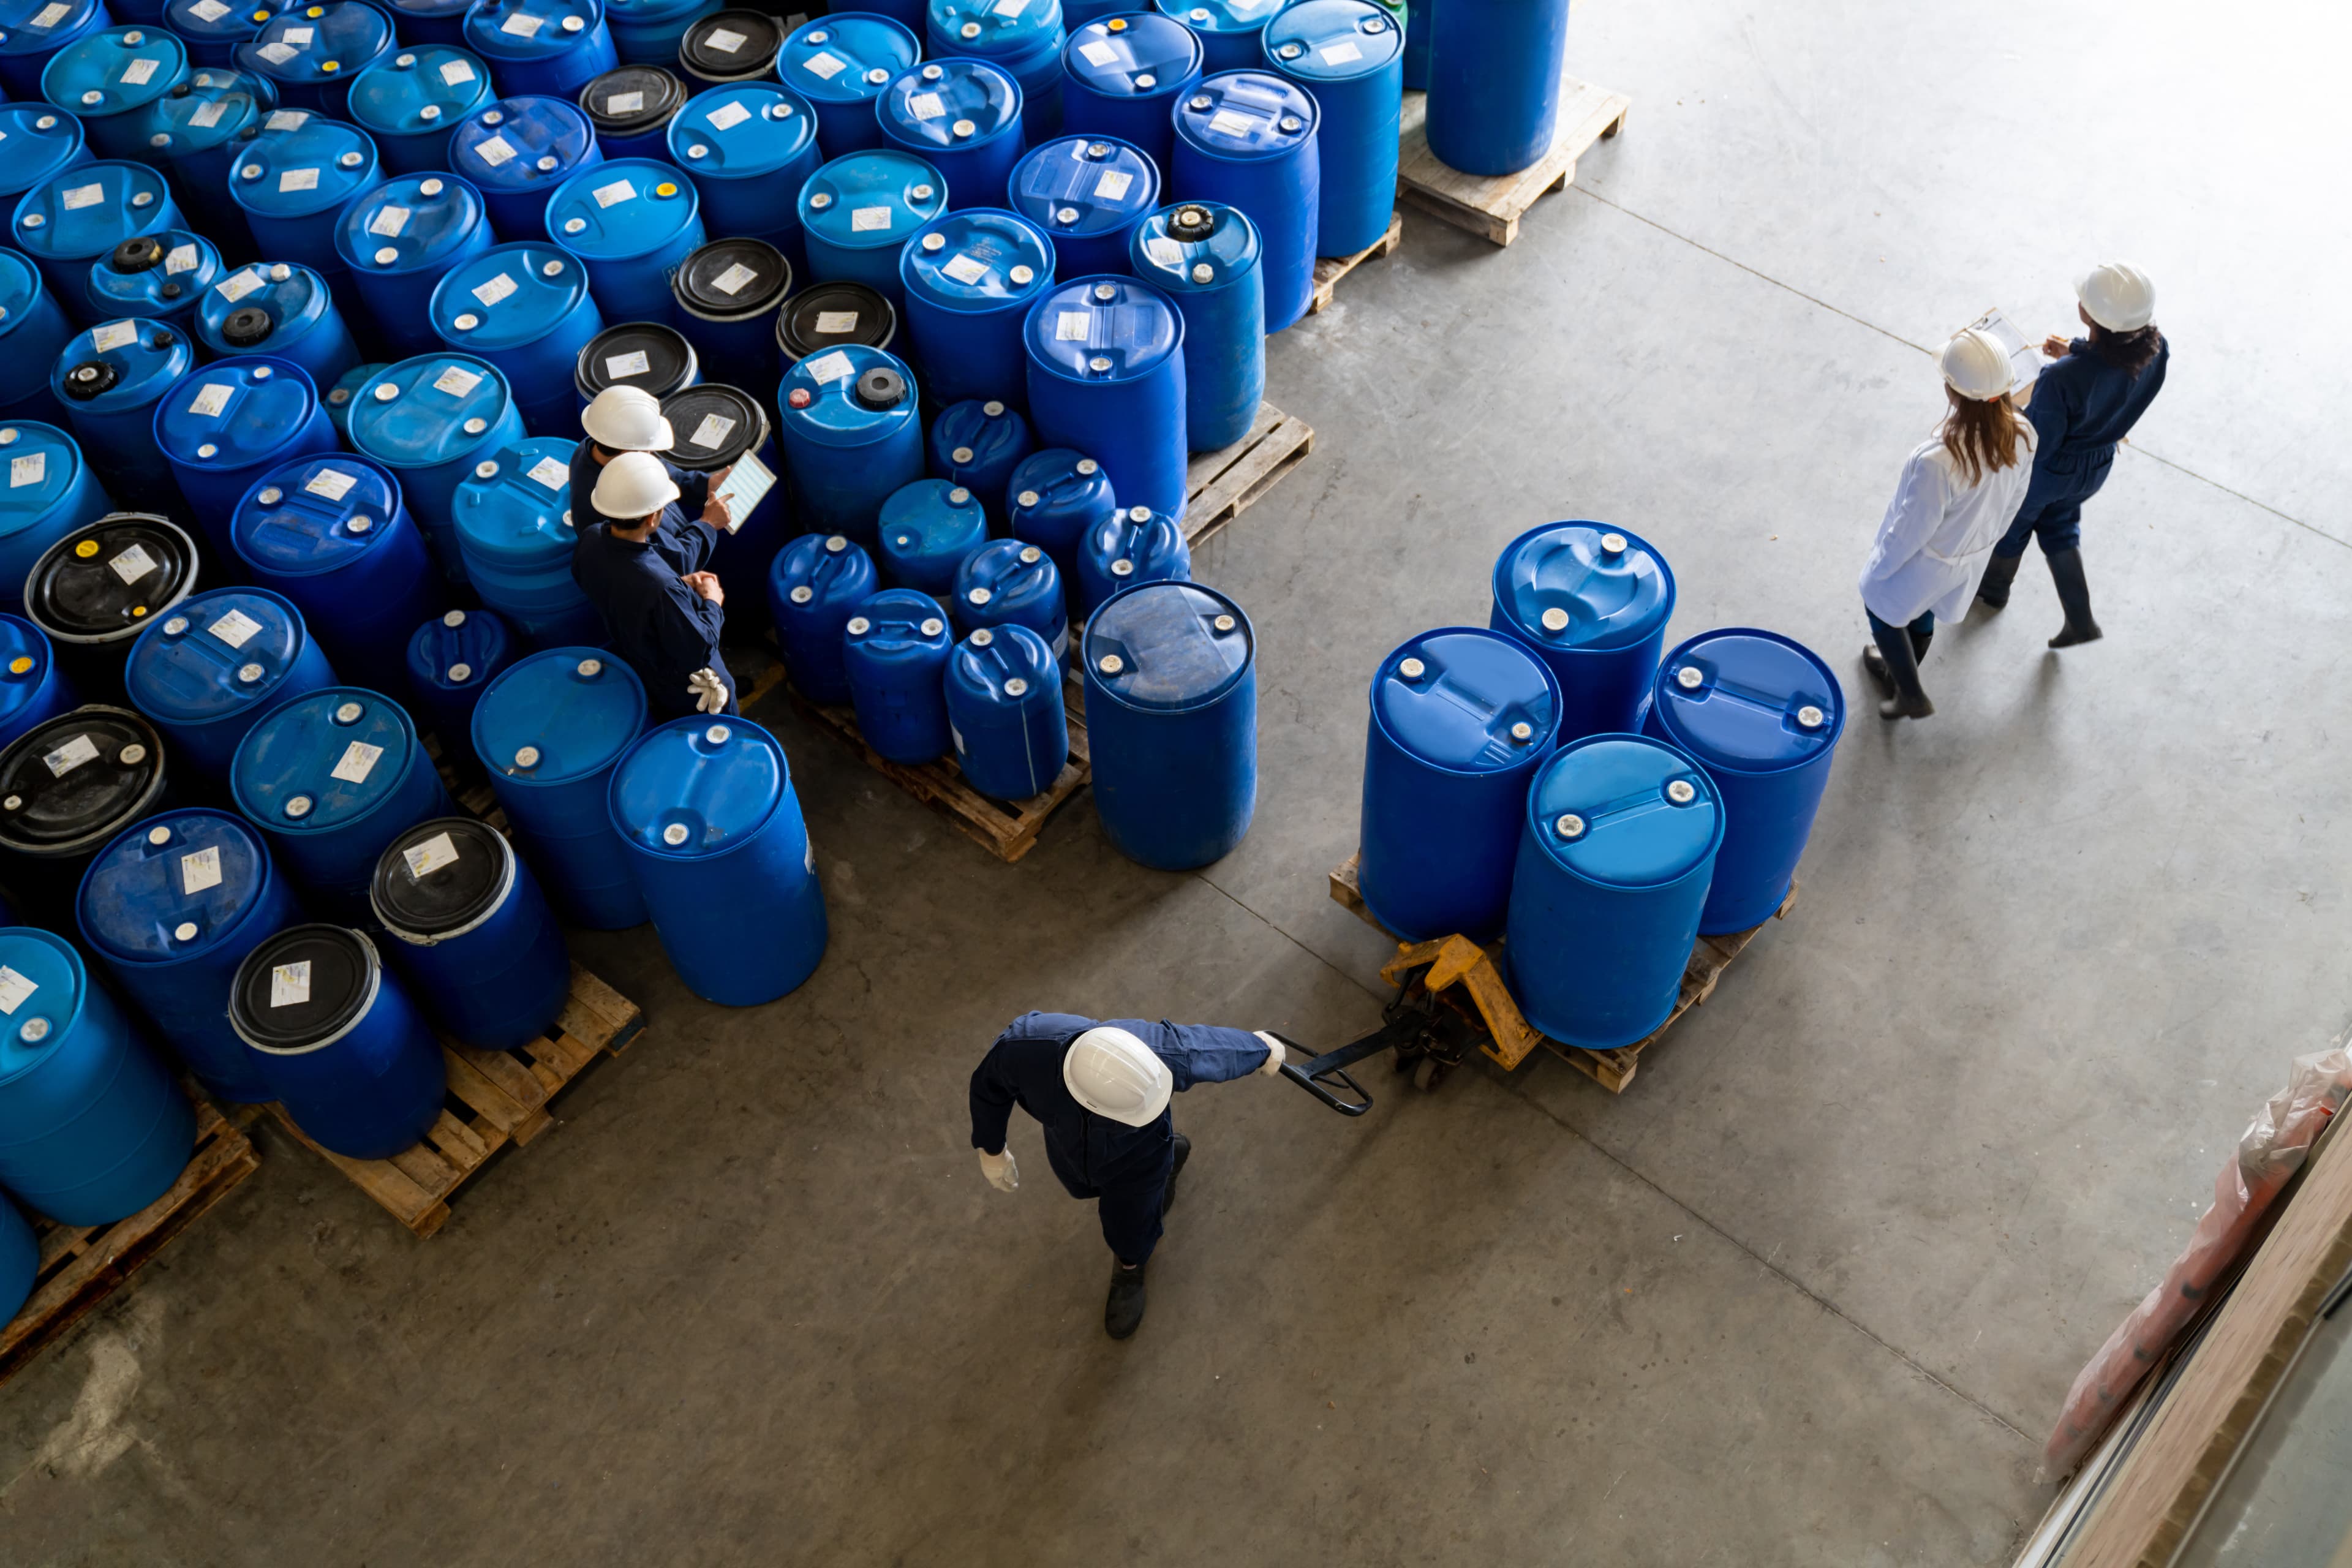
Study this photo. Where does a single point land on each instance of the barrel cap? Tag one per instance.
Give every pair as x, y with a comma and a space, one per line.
509, 295
303, 988
987, 260
428, 410
1103, 329
1581, 585
517, 31
929, 518
630, 101
422, 89
42, 983
1468, 701
836, 574
836, 315
698, 786
322, 761
872, 200
114, 71
459, 649
43, 466
1166, 646
622, 208
732, 280
574, 709
728, 46
173, 886
949, 104
1137, 55
332, 41
264, 304
831, 413
1624, 812
1245, 116
40, 140
219, 21
1332, 41
994, 28
108, 580
315, 514
1748, 702
830, 59
744, 129
214, 655
1193, 246
716, 426
1221, 15
315, 167
87, 210
1007, 666
1085, 184
235, 412
521, 144
26, 660
441, 877
519, 514
73, 783
411, 223
120, 365
215, 106
151, 274
1015, 576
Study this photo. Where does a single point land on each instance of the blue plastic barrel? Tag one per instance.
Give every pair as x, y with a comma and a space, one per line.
93, 1129
105, 78
1087, 194
339, 1041
1172, 723
929, 528
1461, 720
1494, 83
76, 781
94, 592
978, 444
229, 424
429, 21
40, 140
724, 48
850, 438
717, 845
719, 427
399, 240
815, 585
33, 689
1125, 75
1206, 257
726, 294
1054, 496
631, 108
1022, 37
549, 730
212, 29
646, 32
330, 532
472, 931
1416, 48
312, 54
1616, 851
170, 908
856, 213
33, 31
1008, 583
1762, 714
1593, 602
452, 659
518, 153
33, 332
895, 652
20, 1258
643, 354
1004, 711
550, 46
283, 310
963, 119
840, 65
411, 101
1107, 378
58, 494
338, 398
1350, 57
515, 529
208, 669
195, 137
72, 220
749, 149
968, 280
1232, 32
109, 381
526, 309
1136, 545
1248, 140
834, 315
294, 186
632, 221
429, 420
156, 277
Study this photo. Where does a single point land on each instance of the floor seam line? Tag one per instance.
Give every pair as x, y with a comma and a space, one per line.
1335, 968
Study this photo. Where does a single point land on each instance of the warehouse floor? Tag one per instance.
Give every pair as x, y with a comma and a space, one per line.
1809, 1293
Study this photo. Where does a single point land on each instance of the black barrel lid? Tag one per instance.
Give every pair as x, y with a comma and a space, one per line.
733, 278
302, 987
714, 425
613, 355
441, 875
247, 326
881, 388
761, 38
106, 580
828, 315
141, 253
78, 779
90, 379
631, 99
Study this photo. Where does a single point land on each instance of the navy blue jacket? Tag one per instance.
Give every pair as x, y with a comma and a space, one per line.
665, 629
2082, 406
693, 489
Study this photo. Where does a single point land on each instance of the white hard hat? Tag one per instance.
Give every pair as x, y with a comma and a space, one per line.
1114, 1074
2118, 296
627, 419
1976, 365
634, 485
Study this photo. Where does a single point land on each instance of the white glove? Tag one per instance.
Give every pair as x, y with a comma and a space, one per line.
1002, 1174
709, 692
1272, 1066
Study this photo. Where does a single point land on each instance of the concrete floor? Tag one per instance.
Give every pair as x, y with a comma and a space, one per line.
1808, 1294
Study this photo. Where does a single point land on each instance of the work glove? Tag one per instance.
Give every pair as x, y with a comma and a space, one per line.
1272, 1066
1002, 1174
709, 692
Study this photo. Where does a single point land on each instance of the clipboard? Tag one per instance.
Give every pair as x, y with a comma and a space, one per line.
745, 488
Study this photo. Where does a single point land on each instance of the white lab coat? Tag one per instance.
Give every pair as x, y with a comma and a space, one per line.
1938, 534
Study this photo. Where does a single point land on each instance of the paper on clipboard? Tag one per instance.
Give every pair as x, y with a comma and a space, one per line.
2024, 358
744, 488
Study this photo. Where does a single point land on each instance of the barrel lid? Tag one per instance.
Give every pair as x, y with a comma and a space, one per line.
41, 984
322, 761
1143, 55
836, 315
820, 569
976, 432
88, 210
428, 409
32, 27
441, 877
26, 661
20, 286
848, 396
1060, 481
246, 310
427, 8
949, 104
114, 71
149, 274
458, 648
103, 582
984, 259
1584, 586
698, 786
339, 397
79, 776
509, 295
1221, 15
558, 715
168, 887
521, 143
412, 223
1009, 665
994, 27
872, 200
733, 279
1137, 543
37, 140
715, 425
932, 517
730, 44
897, 625
1195, 245
314, 514
419, 90
235, 412
625, 207
636, 353
43, 466
302, 987
1247, 115
1103, 329
1624, 812
1332, 41
629, 100
325, 43
515, 506
744, 129
1466, 701
120, 365
836, 59
1748, 700
218, 21
214, 105
1085, 184
1010, 571
520, 30
214, 654
1168, 646
315, 167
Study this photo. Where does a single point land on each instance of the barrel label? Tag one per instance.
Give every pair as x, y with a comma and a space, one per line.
114, 335
864, 219
550, 473
712, 432
275, 54
808, 855
429, 857
495, 150
29, 470
1165, 253
208, 115
140, 72
457, 381
825, 65
747, 484
358, 761
1097, 52
522, 25
833, 324
926, 106
234, 628
617, 191
131, 563
45, 18
181, 258
730, 283
957, 736
287, 120
289, 984
1010, 7
965, 269
727, 116
298, 179
72, 754
15, 987
213, 395
620, 366
725, 42
300, 38
625, 103
828, 368
199, 869
389, 221
1072, 326
1341, 54
332, 483
1112, 186
457, 73
233, 288
83, 196
496, 289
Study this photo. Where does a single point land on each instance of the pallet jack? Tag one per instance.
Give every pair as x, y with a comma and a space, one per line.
1450, 1001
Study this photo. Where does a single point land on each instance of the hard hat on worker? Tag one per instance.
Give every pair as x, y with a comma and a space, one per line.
1976, 366
627, 419
634, 485
2118, 296
1113, 1074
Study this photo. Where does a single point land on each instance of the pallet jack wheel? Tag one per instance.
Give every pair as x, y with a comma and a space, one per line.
1427, 1073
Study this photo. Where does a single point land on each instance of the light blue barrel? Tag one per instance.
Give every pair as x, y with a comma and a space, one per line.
1022, 37
723, 48
32, 331
725, 427
399, 240
1761, 713
60, 492
170, 908
815, 585
1124, 76
429, 420
76, 781
856, 213
963, 118
632, 221
840, 65
106, 78
1248, 140
33, 31
20, 1258
339, 1041
929, 528
93, 1129
1087, 194
1494, 83
553, 47
1206, 257
850, 437
549, 731
413, 99
330, 532
294, 186
469, 926
644, 354
826, 316
1054, 496
1616, 851
631, 108
109, 380
648, 32
37, 140
1232, 32
1004, 709
1170, 674
518, 153
230, 422
1461, 720
525, 308
1107, 378
1349, 55
726, 295
429, 21
212, 29
1593, 602
968, 280
94, 592
748, 147
978, 444
33, 689
515, 529
331, 778
155, 277
338, 398
76, 217
312, 54
283, 310
210, 668
895, 652
452, 659
195, 137
1008, 583
1136, 545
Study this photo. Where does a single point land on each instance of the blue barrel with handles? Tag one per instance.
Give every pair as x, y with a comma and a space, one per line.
724, 48
978, 444
895, 652
815, 585
72, 220
283, 310
749, 149
54, 492
212, 29
1617, 847
525, 308
706, 810
515, 529
1054, 496
412, 99
1761, 713
632, 221
208, 669
106, 78
195, 136
1005, 711
1106, 377
657, 359
1086, 194
471, 928
429, 21
721, 427
1593, 602
37, 140
93, 1129
631, 107
856, 213
553, 47
1136, 545
826, 316
1494, 84
648, 32
840, 65
330, 532
70, 785
109, 380
850, 435
399, 240
1008, 582
452, 659
1232, 32
928, 528
968, 280
961, 117
1126, 74
331, 778
229, 424
312, 54
429, 420
155, 277
94, 591
20, 1258
1205, 256
33, 689
33, 31
518, 153
1461, 720
1022, 37
1248, 140
726, 295
1349, 55
170, 908
338, 398
339, 1041
32, 331
294, 186
549, 731
1170, 674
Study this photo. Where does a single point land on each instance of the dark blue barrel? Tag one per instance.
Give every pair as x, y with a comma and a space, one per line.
195, 136
514, 528
632, 222
294, 185
1416, 48
644, 354
212, 29
1087, 194
1054, 496
978, 444
410, 102
33, 689
961, 117
155, 277
109, 380
331, 533
1247, 138
1004, 709
170, 908
1124, 76
1232, 32
1762, 714
549, 731
106, 78
646, 32
1107, 378
1076, 14
473, 932
1023, 38
312, 54
331, 778
1461, 720
339, 1041
550, 46
968, 281
229, 424
53, 492
399, 240
283, 310
749, 149
850, 438
1350, 57
631, 108
724, 48
430, 419
726, 295
815, 585
208, 669
75, 782
97, 589
893, 650
1136, 545
1616, 851
830, 316
724, 427
1593, 602
39, 140
33, 31
76, 217
840, 65
452, 659
1205, 256
338, 398
1494, 83
857, 213
525, 308
429, 21
33, 332
1008, 583
716, 839
1172, 723
927, 530
518, 153
20, 1258
93, 1129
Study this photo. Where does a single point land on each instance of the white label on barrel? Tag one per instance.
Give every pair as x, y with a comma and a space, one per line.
832, 367
825, 64
1010, 7
29, 470
234, 628
213, 395
619, 190
1072, 326
208, 115
521, 24
713, 430
332, 483
389, 221
457, 73
139, 71
133, 563
1098, 53
298, 179
747, 484
180, 259
864, 218
45, 18
1225, 123
725, 42
1113, 186
1165, 253
287, 120
624, 103
359, 760
727, 116
550, 473
618, 366
200, 869
833, 324
926, 106
1341, 54
965, 269
15, 987
957, 736
114, 335
300, 37
730, 283
83, 196
275, 54
289, 984
237, 285
457, 381
429, 857
72, 755
495, 150
496, 289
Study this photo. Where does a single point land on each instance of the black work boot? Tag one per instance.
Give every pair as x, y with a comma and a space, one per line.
1168, 1192
2000, 573
1123, 1310
2075, 598
1897, 668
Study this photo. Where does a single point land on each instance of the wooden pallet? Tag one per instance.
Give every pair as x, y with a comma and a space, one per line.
81, 1266
1329, 269
1221, 485
1612, 1070
1492, 207
496, 1099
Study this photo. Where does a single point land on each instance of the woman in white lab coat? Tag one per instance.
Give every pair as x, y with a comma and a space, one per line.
1958, 493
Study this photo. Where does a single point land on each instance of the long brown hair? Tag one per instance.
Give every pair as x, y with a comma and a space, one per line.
2127, 351
1982, 434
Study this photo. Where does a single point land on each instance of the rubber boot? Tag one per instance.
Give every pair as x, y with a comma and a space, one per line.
2075, 598
1992, 593
1168, 1192
1897, 666
1875, 662
1123, 1310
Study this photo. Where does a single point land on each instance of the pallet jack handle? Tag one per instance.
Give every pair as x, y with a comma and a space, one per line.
1324, 1075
